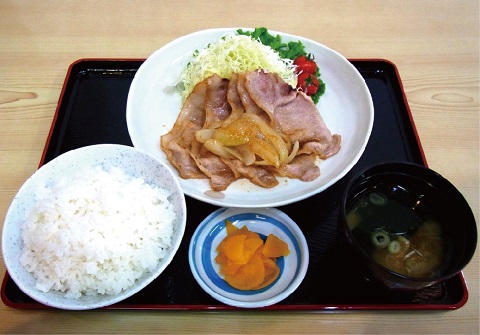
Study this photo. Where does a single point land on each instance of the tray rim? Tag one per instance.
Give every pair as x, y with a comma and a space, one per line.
318, 308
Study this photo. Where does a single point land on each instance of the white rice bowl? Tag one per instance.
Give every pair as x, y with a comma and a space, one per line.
93, 227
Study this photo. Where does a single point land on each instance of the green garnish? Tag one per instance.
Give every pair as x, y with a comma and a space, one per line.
290, 50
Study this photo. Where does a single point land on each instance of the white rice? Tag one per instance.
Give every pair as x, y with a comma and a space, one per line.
96, 232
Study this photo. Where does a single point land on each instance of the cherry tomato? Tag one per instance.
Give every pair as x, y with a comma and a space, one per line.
308, 83
305, 64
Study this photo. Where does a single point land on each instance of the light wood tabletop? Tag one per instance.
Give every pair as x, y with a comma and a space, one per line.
433, 43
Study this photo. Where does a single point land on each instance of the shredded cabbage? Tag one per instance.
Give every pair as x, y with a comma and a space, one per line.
234, 54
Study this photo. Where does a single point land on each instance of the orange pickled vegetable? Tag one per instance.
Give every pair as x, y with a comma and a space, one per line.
275, 247
231, 228
248, 276
272, 271
228, 267
245, 261
234, 247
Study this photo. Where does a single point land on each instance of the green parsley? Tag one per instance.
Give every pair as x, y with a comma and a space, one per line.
290, 50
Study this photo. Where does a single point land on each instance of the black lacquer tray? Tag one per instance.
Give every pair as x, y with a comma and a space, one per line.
91, 110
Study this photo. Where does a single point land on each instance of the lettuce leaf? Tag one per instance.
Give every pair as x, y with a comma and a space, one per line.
290, 50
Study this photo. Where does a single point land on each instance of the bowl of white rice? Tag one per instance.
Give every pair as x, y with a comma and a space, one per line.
93, 226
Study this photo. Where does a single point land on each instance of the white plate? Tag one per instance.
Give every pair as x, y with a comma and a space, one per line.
346, 107
264, 221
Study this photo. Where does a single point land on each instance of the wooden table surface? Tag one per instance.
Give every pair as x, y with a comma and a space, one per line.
434, 44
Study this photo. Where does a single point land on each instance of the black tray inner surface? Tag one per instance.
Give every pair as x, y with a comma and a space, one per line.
92, 111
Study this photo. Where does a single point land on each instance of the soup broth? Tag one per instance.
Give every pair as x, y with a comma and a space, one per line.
398, 230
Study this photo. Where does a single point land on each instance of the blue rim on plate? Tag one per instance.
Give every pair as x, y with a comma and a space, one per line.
211, 232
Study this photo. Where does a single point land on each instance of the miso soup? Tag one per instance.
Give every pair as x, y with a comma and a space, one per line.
398, 230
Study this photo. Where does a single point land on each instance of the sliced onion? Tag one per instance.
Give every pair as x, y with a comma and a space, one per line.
249, 138
230, 138
280, 146
266, 151
204, 134
247, 155
217, 148
293, 154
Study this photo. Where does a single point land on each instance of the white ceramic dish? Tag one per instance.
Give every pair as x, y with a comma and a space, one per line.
211, 232
132, 162
346, 107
